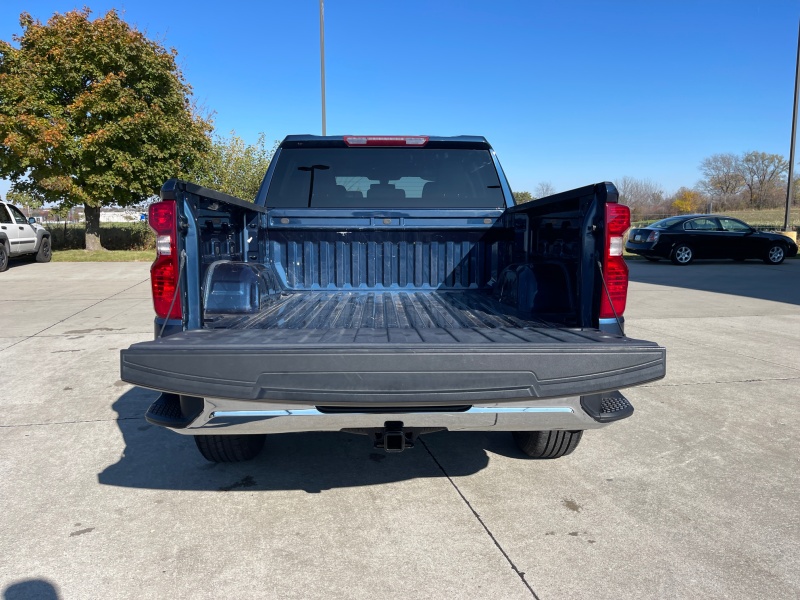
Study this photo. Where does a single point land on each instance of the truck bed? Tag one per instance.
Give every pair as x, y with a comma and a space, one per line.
416, 317
391, 348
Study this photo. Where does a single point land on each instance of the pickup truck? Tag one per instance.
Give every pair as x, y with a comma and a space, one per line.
388, 286
20, 236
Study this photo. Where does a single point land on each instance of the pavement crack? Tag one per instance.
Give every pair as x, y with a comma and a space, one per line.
519, 573
656, 333
720, 382
76, 422
74, 314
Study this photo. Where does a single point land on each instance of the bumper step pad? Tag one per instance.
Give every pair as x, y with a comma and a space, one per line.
608, 407
170, 410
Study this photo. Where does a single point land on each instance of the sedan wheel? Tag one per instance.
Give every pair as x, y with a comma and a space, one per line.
682, 255
775, 254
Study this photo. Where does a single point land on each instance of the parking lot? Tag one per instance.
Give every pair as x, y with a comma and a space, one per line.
695, 496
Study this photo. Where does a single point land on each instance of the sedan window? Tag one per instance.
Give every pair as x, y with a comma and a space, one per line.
703, 224
734, 225
665, 223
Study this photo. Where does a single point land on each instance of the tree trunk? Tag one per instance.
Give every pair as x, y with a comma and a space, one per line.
92, 214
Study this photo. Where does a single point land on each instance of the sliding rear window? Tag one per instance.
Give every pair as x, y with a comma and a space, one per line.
384, 178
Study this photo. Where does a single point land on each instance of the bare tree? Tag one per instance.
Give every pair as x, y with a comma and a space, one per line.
544, 189
643, 196
722, 176
764, 177
796, 190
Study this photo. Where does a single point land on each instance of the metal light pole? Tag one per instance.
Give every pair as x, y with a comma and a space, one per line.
322, 57
789, 188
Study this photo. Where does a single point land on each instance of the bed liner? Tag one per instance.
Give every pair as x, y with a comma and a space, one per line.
469, 316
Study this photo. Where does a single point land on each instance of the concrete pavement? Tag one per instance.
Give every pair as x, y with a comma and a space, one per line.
694, 496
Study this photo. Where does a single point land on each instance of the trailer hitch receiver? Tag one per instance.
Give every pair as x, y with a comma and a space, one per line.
393, 438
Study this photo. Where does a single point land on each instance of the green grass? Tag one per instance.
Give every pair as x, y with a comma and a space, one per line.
767, 215
104, 256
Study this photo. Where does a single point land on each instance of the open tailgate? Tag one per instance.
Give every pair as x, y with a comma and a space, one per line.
376, 366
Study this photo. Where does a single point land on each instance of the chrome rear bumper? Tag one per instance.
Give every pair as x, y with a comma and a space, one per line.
227, 417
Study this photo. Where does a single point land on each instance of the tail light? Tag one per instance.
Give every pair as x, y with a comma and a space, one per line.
615, 271
653, 237
164, 272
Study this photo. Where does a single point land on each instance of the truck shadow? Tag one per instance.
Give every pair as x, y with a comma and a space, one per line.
751, 279
155, 458
20, 261
30, 589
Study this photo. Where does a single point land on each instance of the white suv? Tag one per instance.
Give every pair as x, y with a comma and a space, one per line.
19, 236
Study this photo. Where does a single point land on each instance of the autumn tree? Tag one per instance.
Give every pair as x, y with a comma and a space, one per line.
93, 113
232, 166
25, 199
687, 201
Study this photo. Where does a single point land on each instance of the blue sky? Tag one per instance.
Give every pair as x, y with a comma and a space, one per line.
566, 92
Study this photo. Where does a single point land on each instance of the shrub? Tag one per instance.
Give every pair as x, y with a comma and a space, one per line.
113, 236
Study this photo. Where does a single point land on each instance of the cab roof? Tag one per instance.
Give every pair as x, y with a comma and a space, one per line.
472, 142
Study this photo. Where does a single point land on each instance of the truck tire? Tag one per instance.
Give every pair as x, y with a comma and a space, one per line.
775, 254
44, 254
229, 448
3, 257
547, 444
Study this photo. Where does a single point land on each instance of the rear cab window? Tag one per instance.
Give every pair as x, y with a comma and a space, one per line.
398, 178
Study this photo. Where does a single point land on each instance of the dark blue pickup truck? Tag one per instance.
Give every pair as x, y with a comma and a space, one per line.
388, 286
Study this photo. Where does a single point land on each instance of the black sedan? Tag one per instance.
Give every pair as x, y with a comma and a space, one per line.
685, 238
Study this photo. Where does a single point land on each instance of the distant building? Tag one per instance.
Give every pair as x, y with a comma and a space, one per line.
119, 216
75, 215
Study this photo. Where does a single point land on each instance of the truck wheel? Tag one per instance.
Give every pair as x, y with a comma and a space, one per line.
547, 444
775, 254
682, 255
44, 254
229, 448
3, 257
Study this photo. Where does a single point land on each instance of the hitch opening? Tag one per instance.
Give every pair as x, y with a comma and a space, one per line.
393, 438
394, 441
